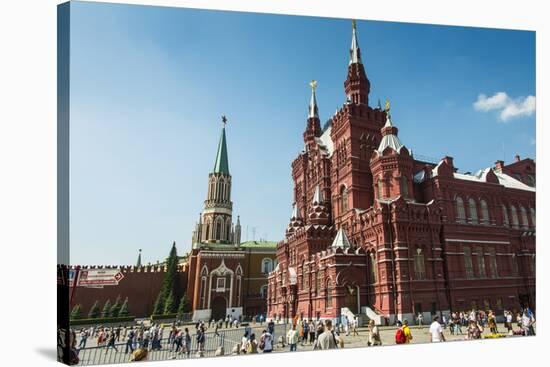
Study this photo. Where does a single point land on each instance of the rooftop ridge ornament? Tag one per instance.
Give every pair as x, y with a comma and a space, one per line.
355, 56
313, 109
224, 120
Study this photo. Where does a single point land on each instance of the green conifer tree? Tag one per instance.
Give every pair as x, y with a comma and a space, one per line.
115, 308
124, 309
76, 312
94, 311
184, 307
170, 304
158, 308
106, 309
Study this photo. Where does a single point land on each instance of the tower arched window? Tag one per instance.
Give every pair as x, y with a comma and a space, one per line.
473, 211
484, 212
267, 266
219, 226
524, 219
505, 220
344, 199
404, 186
515, 220
328, 294
460, 212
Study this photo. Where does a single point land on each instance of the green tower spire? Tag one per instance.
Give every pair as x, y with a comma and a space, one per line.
222, 164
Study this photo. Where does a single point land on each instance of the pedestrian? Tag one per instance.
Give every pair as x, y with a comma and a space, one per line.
130, 341
111, 342
491, 320
327, 340
311, 328
355, 325
407, 332
201, 338
252, 345
320, 329
244, 342
292, 338
374, 335
187, 342
400, 337
420, 319
266, 342
83, 338
436, 331
305, 332
474, 330
526, 323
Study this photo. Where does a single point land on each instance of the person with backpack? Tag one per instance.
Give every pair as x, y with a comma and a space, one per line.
266, 342
400, 337
327, 340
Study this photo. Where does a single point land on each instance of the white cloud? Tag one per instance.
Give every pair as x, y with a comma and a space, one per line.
509, 108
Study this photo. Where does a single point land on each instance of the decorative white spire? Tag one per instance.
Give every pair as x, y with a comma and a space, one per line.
355, 55
341, 240
295, 214
317, 196
313, 110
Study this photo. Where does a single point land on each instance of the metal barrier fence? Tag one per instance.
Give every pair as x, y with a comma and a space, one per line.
226, 338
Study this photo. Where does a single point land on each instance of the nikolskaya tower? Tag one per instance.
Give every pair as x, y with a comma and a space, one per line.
215, 225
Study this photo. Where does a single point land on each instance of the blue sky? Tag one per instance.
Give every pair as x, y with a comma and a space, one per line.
149, 84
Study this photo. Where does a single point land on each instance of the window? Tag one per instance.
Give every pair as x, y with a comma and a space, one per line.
306, 277
373, 268
533, 218
419, 268
203, 292
514, 260
220, 285
493, 263
263, 291
499, 304
473, 210
303, 274
524, 219
328, 294
404, 187
344, 198
481, 262
460, 212
505, 221
219, 229
484, 212
515, 220
531, 181
238, 291
267, 266
468, 266
318, 285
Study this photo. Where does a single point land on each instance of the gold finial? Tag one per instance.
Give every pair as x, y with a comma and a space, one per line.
224, 120
353, 25
387, 106
313, 84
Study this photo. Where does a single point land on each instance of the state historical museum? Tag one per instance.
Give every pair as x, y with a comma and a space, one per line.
378, 233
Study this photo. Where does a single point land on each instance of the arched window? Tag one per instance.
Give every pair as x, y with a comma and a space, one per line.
531, 181
419, 267
218, 228
404, 187
460, 212
524, 219
505, 220
515, 220
533, 218
484, 212
239, 292
344, 198
267, 266
328, 294
306, 276
473, 210
468, 266
318, 285
373, 268
303, 267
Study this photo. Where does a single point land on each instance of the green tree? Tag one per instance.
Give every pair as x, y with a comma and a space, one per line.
76, 312
106, 312
170, 306
94, 311
115, 308
124, 309
184, 307
158, 308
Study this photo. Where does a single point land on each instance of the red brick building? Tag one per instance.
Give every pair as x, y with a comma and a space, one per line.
375, 231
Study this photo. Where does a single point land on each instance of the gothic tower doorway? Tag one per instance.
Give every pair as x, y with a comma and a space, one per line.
219, 307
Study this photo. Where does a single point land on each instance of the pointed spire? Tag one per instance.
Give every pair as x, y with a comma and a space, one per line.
341, 240
389, 134
355, 52
317, 196
313, 110
138, 264
222, 164
295, 213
